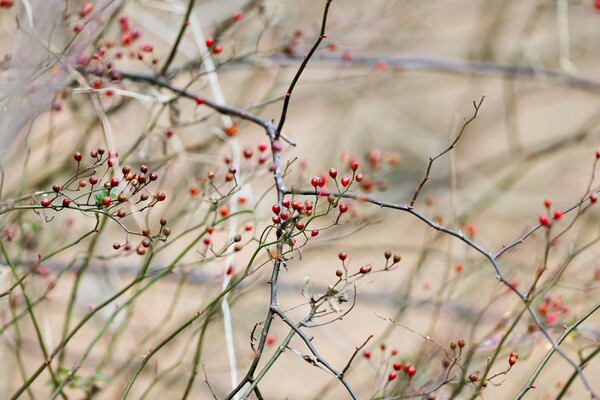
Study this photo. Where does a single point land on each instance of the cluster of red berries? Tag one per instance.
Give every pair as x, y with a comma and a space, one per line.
107, 191
545, 219
293, 210
552, 308
390, 261
146, 242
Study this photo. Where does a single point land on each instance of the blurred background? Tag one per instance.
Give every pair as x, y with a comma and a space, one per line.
391, 85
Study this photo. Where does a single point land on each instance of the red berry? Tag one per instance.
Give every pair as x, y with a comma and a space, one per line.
93, 180
284, 215
199, 100
262, 147
161, 196
217, 49
359, 177
77, 156
365, 269
322, 180
66, 202
153, 176
345, 181
285, 203
276, 219
593, 196
315, 181
124, 23
238, 16
223, 211
411, 370
392, 376
544, 220
144, 168
296, 205
210, 41
547, 203
558, 214
596, 4
106, 200
46, 202
276, 208
397, 366
353, 165
333, 173
342, 256
271, 339
114, 182
248, 152
343, 207
56, 188
367, 353
300, 225
598, 153
314, 233
512, 360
